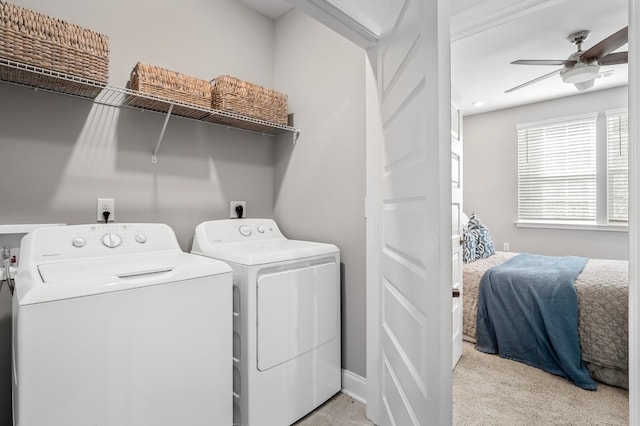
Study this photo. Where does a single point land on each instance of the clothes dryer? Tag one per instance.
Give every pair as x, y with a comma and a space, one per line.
286, 324
114, 325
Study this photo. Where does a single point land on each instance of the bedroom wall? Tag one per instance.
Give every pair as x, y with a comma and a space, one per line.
58, 153
490, 177
320, 181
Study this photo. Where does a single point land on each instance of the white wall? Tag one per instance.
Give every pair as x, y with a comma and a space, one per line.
320, 181
58, 153
491, 171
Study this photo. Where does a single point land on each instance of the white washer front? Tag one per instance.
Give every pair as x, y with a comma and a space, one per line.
134, 333
286, 319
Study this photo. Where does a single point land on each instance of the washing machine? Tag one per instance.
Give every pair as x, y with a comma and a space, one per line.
114, 325
286, 318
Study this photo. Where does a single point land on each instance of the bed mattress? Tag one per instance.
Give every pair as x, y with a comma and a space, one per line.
603, 303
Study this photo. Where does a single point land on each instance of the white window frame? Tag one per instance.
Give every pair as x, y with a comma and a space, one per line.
621, 142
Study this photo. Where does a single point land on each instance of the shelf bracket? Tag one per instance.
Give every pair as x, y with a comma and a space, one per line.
296, 135
154, 157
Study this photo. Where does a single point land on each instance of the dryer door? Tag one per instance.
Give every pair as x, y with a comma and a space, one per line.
298, 310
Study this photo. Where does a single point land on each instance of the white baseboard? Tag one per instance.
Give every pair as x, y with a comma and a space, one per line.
354, 386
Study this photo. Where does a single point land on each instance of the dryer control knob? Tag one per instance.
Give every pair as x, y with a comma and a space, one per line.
79, 242
141, 238
260, 229
245, 230
111, 240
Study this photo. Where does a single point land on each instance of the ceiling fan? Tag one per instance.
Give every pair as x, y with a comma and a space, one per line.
581, 68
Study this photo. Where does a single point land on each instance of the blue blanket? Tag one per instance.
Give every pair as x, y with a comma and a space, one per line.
528, 312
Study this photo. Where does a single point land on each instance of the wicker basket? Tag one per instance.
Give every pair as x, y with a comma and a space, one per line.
172, 86
35, 39
234, 95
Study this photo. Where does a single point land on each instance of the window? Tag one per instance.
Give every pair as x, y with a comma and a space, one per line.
618, 166
557, 170
561, 171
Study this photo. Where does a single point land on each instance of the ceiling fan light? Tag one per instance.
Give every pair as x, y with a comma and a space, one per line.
584, 85
580, 74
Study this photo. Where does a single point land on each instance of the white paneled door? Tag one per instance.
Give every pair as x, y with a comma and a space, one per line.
456, 232
414, 194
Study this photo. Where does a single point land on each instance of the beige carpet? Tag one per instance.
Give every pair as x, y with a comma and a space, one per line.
489, 390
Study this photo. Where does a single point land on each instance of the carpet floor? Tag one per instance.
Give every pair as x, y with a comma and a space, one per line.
489, 390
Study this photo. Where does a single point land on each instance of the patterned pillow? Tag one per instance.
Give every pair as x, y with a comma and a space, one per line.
468, 246
474, 221
482, 236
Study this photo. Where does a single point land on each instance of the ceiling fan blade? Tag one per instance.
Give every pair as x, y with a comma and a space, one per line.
614, 58
535, 80
544, 62
607, 45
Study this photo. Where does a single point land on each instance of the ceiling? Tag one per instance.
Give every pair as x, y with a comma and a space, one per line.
481, 66
271, 8
487, 35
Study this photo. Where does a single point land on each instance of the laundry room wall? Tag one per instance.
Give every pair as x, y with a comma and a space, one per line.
59, 153
76, 151
320, 180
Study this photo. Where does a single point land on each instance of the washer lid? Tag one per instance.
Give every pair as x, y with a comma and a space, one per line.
266, 251
69, 279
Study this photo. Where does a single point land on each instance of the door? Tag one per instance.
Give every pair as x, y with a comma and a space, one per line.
414, 215
456, 231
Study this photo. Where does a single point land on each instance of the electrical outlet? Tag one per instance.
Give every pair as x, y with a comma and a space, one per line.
105, 205
232, 209
506, 246
15, 255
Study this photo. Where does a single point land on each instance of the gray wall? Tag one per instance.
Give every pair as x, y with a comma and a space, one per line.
320, 181
491, 172
58, 153
61, 152
197, 37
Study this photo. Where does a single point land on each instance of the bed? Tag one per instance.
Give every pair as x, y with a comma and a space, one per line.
603, 293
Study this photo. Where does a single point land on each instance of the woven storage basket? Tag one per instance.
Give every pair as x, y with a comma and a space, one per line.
32, 38
170, 85
234, 95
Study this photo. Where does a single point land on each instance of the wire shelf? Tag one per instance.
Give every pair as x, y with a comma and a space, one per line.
42, 79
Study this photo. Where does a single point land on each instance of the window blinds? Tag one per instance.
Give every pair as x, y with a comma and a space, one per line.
617, 166
557, 169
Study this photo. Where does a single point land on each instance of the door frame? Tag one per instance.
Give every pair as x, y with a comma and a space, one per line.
374, 139
634, 213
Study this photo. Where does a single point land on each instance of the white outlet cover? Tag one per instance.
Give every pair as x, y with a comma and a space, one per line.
232, 209
105, 204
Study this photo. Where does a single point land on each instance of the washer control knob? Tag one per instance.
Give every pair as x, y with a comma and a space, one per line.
111, 240
141, 238
79, 242
245, 230
260, 229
